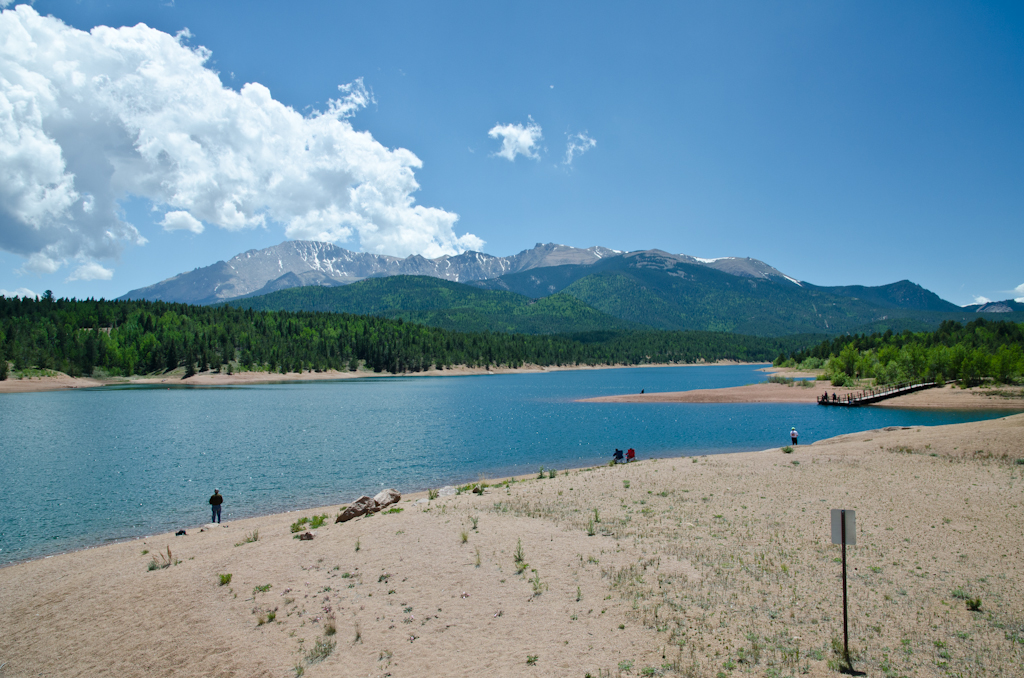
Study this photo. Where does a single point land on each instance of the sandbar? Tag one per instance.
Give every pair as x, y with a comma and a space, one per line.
948, 397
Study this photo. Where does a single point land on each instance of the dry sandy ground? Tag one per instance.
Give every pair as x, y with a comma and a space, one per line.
62, 381
948, 397
710, 566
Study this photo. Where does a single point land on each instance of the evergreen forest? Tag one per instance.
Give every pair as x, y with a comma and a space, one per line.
124, 338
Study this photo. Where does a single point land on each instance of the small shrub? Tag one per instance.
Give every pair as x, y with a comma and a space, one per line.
260, 589
552, 473
317, 521
973, 604
358, 545
531, 659
519, 558
225, 579
330, 628
474, 520
393, 509
625, 484
590, 528
960, 594
464, 536
540, 473
432, 493
299, 525
787, 449
625, 664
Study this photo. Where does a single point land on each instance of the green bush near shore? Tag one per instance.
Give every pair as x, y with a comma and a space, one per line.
970, 354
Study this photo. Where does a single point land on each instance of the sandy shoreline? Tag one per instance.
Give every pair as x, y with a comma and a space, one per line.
948, 397
62, 381
696, 566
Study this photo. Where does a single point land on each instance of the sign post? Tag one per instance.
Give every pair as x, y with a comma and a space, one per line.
844, 531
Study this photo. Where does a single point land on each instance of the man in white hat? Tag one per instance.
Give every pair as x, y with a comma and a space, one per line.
792, 434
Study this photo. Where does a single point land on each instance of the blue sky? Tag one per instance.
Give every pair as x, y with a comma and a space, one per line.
841, 142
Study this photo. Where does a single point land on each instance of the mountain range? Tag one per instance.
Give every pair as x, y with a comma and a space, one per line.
559, 289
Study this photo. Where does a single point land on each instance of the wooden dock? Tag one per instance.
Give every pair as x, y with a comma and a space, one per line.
874, 395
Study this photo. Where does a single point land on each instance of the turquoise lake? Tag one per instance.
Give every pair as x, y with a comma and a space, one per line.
81, 468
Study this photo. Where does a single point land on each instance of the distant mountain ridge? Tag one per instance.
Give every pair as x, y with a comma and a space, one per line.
302, 263
559, 289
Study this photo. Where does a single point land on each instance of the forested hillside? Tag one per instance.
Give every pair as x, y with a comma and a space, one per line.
664, 292
142, 337
969, 353
444, 304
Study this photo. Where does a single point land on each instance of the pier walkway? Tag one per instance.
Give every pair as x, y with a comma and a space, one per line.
874, 395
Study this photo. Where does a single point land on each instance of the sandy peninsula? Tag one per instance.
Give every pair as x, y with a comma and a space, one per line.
948, 397
674, 567
58, 381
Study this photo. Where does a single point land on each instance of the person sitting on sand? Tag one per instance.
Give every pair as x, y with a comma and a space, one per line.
617, 457
215, 501
630, 455
792, 434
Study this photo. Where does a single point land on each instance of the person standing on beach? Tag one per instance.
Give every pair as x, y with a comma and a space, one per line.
792, 434
215, 501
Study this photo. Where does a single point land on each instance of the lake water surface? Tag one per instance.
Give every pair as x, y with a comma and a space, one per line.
80, 468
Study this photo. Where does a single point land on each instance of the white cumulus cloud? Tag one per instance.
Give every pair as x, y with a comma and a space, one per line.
20, 292
1019, 289
517, 139
181, 221
577, 145
90, 118
978, 299
90, 271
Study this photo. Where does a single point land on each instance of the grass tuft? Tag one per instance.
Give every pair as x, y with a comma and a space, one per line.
320, 651
225, 579
162, 562
250, 538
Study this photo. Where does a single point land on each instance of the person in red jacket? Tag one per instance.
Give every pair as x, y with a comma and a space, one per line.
215, 501
630, 455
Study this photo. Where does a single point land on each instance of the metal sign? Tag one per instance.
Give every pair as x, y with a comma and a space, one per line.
844, 531
837, 527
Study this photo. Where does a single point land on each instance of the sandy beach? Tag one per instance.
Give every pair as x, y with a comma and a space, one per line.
683, 566
60, 381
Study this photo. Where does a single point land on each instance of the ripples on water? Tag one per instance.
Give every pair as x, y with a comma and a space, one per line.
86, 466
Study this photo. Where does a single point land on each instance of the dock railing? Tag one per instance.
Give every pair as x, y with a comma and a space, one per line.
873, 395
